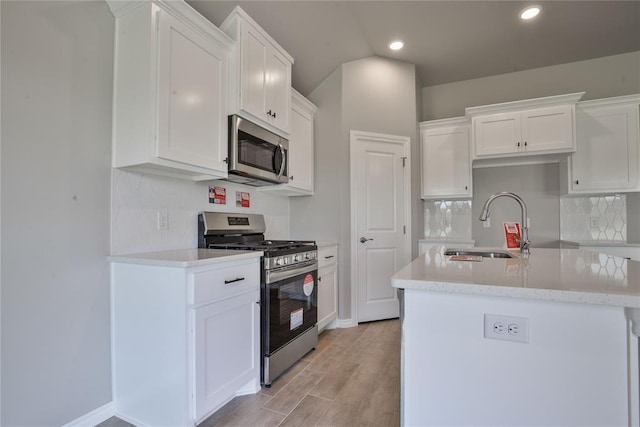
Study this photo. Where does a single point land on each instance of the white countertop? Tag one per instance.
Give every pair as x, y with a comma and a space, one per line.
185, 257
325, 243
568, 275
602, 243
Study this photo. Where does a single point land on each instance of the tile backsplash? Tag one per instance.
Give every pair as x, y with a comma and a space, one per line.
447, 219
137, 198
601, 218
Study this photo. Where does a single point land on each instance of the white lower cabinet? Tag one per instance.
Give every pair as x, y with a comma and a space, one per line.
608, 156
185, 340
327, 286
226, 341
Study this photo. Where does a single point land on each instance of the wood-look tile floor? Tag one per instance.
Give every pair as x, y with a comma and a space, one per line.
352, 378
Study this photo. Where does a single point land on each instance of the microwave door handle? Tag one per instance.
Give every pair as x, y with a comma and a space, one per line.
284, 161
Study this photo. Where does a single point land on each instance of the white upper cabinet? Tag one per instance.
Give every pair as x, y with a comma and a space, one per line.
301, 143
607, 158
261, 81
445, 159
170, 91
522, 128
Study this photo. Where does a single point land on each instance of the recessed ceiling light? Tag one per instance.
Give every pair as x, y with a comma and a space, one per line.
396, 45
530, 12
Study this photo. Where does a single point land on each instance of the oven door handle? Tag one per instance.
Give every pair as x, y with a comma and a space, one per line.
272, 276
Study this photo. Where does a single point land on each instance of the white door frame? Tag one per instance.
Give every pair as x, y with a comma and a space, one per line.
356, 137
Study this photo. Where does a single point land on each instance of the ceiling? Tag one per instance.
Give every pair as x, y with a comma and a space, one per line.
448, 41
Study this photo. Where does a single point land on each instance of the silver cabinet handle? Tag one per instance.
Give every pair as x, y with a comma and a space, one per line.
364, 239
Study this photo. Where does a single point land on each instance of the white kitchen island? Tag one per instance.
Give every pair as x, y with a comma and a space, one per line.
574, 309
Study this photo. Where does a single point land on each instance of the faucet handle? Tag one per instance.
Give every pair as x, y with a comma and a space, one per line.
524, 245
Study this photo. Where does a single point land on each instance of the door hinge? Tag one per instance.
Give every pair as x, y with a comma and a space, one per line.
404, 162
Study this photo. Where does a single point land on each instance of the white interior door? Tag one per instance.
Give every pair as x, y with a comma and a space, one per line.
380, 221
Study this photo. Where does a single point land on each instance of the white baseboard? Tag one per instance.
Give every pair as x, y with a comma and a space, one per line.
94, 417
346, 323
130, 420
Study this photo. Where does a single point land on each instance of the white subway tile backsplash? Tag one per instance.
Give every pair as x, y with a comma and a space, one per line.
599, 218
137, 198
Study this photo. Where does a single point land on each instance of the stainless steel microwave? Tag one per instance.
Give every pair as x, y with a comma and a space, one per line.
257, 156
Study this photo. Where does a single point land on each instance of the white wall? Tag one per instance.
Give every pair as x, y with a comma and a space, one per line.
601, 78
373, 95
56, 126
137, 199
538, 187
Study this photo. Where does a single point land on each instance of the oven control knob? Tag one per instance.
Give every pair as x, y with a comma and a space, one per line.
296, 258
307, 256
279, 261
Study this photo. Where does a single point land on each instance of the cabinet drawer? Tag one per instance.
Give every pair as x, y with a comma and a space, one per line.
327, 255
221, 283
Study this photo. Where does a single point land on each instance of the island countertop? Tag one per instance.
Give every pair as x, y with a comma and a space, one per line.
567, 275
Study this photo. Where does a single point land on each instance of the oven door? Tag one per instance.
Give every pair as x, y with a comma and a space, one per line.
290, 307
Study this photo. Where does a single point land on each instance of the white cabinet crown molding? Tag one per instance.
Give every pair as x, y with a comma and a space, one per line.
239, 12
181, 10
613, 101
454, 121
521, 105
298, 98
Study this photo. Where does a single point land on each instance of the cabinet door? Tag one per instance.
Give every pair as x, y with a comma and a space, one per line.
446, 162
227, 348
278, 90
327, 296
548, 129
301, 150
497, 134
607, 154
253, 79
192, 97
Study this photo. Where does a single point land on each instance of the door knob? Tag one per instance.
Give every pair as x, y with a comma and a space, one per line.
364, 239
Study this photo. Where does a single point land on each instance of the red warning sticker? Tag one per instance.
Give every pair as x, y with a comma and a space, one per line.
307, 284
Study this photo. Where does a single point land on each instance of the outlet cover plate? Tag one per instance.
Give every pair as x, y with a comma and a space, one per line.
506, 328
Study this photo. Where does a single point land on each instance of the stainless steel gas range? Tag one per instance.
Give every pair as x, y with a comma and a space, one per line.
289, 292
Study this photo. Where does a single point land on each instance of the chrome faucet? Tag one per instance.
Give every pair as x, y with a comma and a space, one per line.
524, 241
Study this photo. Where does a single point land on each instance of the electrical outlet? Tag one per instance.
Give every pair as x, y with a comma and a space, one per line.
487, 223
506, 328
595, 222
163, 221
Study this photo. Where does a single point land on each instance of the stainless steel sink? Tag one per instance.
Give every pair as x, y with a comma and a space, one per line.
485, 253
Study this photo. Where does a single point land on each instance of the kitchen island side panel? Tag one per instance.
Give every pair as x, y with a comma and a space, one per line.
574, 371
